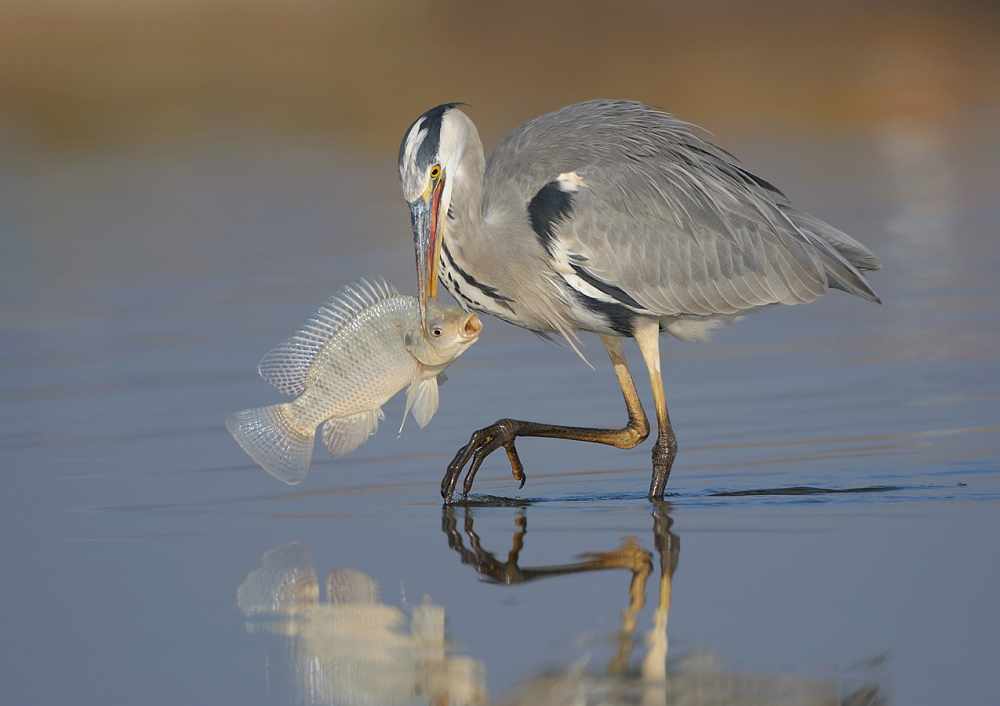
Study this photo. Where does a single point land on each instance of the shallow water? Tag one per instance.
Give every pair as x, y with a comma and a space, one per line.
833, 513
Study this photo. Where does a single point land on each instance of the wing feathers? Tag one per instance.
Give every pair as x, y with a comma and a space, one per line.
666, 216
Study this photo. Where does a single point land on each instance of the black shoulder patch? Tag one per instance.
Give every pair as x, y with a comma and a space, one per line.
549, 207
432, 124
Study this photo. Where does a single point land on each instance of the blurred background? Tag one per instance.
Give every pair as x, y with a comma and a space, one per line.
184, 181
96, 74
146, 103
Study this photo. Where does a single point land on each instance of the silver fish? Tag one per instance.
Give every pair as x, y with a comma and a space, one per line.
361, 348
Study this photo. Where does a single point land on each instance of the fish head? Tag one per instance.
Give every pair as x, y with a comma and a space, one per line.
450, 331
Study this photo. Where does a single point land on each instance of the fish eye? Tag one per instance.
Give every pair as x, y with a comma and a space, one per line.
436, 331
435, 172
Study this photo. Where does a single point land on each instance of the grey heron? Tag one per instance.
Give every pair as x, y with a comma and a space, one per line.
615, 218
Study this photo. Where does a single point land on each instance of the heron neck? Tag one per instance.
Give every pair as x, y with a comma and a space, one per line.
466, 217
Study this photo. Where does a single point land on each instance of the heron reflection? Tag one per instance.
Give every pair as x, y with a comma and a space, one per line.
352, 648
342, 644
695, 679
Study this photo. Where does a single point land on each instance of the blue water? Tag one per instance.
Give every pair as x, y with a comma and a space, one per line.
140, 289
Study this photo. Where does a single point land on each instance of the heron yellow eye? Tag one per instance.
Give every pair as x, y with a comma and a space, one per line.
435, 172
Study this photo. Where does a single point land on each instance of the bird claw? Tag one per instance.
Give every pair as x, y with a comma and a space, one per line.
481, 444
516, 467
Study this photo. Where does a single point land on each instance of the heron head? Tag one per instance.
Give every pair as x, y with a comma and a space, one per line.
429, 164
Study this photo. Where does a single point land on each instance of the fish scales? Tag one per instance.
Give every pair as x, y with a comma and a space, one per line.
361, 367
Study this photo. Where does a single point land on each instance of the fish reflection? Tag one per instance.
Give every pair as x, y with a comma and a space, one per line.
691, 680
352, 648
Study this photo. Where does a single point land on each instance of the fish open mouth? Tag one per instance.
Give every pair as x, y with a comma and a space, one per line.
472, 326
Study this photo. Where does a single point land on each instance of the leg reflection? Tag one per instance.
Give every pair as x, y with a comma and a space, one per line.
629, 556
668, 548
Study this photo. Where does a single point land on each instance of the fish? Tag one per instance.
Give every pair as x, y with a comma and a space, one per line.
362, 347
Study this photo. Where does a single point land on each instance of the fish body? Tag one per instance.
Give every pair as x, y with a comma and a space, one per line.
361, 348
361, 367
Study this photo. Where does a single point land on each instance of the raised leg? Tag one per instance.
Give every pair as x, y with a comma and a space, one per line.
502, 433
647, 336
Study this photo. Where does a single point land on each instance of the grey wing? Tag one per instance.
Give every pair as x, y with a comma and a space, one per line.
636, 204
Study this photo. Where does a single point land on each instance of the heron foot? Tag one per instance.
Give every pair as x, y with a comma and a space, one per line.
481, 444
664, 453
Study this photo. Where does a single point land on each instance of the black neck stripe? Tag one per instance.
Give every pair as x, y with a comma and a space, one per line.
487, 290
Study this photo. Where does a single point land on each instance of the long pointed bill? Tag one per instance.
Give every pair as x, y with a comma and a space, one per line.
425, 220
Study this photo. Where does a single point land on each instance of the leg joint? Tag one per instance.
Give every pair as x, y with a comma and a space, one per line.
640, 428
634, 433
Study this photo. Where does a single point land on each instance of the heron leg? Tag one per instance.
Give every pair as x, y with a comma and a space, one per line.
503, 433
647, 336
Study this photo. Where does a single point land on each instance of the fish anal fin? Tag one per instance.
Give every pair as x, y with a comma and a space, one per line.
341, 435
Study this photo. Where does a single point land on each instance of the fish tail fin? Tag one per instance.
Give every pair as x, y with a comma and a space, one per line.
269, 438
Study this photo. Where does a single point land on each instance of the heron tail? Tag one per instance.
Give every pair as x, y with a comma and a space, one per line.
852, 251
844, 258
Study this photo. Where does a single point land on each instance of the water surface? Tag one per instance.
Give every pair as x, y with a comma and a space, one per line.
831, 526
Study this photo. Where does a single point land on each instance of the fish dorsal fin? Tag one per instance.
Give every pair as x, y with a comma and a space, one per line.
341, 435
422, 401
286, 366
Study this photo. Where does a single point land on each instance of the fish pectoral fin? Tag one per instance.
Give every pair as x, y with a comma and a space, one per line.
422, 401
442, 378
341, 435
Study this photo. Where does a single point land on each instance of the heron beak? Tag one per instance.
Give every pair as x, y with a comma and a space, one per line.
425, 220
